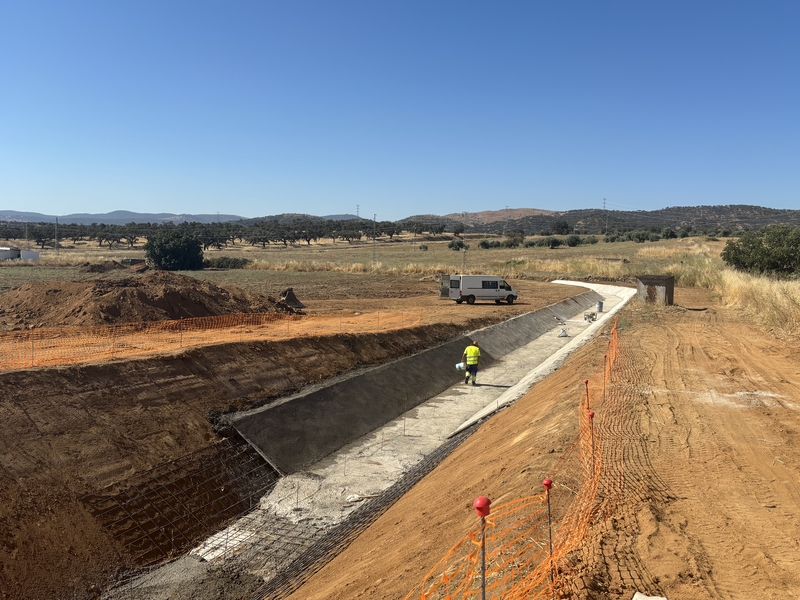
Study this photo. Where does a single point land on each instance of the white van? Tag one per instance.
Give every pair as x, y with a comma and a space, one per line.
468, 288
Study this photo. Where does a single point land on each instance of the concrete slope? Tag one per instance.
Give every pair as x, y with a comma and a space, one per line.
618, 297
304, 428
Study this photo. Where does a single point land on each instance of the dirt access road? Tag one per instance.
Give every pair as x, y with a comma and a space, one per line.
711, 451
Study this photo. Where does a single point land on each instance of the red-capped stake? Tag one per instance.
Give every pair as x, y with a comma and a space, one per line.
591, 415
547, 483
481, 505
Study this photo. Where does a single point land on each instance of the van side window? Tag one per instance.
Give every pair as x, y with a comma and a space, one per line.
505, 286
455, 283
489, 285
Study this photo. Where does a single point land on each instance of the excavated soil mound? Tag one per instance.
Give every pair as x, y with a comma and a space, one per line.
153, 296
101, 267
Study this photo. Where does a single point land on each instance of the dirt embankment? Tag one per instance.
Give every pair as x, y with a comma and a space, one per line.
74, 430
70, 431
153, 296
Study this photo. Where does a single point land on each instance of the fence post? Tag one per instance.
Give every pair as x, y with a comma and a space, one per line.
482, 504
605, 376
586, 383
548, 483
591, 429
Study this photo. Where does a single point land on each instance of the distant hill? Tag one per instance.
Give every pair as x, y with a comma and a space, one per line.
123, 217
117, 217
735, 217
494, 216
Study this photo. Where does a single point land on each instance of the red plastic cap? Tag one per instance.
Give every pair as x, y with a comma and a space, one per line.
481, 505
591, 414
547, 483
586, 381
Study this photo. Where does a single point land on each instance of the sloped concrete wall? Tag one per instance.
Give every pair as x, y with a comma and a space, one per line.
302, 429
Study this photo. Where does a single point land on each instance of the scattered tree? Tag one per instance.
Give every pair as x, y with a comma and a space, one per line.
172, 250
772, 250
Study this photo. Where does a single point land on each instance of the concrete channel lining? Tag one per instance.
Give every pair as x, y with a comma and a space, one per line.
304, 428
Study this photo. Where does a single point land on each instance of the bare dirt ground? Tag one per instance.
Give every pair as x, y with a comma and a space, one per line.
711, 444
74, 430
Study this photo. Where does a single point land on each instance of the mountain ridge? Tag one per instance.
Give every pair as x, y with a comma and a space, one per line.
736, 217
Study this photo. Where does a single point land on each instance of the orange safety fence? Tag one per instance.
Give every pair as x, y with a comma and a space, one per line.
527, 553
58, 346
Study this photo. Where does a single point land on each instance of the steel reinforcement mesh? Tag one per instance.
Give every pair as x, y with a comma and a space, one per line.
162, 512
337, 539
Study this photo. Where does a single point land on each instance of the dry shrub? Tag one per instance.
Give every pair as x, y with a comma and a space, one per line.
681, 248
772, 303
702, 271
579, 267
74, 259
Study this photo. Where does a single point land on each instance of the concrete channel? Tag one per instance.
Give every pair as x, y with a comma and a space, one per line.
343, 445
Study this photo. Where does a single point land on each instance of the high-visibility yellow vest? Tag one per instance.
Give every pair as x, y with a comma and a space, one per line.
473, 353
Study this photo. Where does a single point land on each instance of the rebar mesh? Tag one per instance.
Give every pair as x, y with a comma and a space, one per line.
164, 511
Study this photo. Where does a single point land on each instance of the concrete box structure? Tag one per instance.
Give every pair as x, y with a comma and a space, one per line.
656, 288
7, 253
10, 253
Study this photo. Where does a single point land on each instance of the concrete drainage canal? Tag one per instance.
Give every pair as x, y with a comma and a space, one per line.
319, 466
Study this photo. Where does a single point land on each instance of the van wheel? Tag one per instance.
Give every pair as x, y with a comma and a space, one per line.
497, 301
510, 299
470, 299
459, 301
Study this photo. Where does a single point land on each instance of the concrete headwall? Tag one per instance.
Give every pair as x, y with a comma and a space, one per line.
301, 429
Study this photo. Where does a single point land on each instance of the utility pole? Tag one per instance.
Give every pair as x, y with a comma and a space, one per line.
374, 236
56, 236
605, 211
505, 223
464, 249
357, 208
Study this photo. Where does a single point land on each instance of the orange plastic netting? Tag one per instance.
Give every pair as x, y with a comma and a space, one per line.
47, 347
527, 553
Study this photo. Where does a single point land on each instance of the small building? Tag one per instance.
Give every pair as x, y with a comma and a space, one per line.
7, 253
656, 288
11, 253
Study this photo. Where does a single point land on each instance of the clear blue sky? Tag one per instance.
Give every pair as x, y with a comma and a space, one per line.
402, 108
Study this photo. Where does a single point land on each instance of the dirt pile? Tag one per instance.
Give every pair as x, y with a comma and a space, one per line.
152, 296
101, 267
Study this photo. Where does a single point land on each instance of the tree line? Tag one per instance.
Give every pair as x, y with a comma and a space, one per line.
256, 232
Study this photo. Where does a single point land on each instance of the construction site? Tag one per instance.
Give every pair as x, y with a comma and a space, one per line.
169, 438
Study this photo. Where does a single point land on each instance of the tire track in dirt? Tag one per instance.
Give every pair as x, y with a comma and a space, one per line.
712, 453
738, 391
629, 479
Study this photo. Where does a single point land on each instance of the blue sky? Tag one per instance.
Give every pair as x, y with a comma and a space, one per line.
399, 108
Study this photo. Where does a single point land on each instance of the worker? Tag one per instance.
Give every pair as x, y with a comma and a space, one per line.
471, 358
